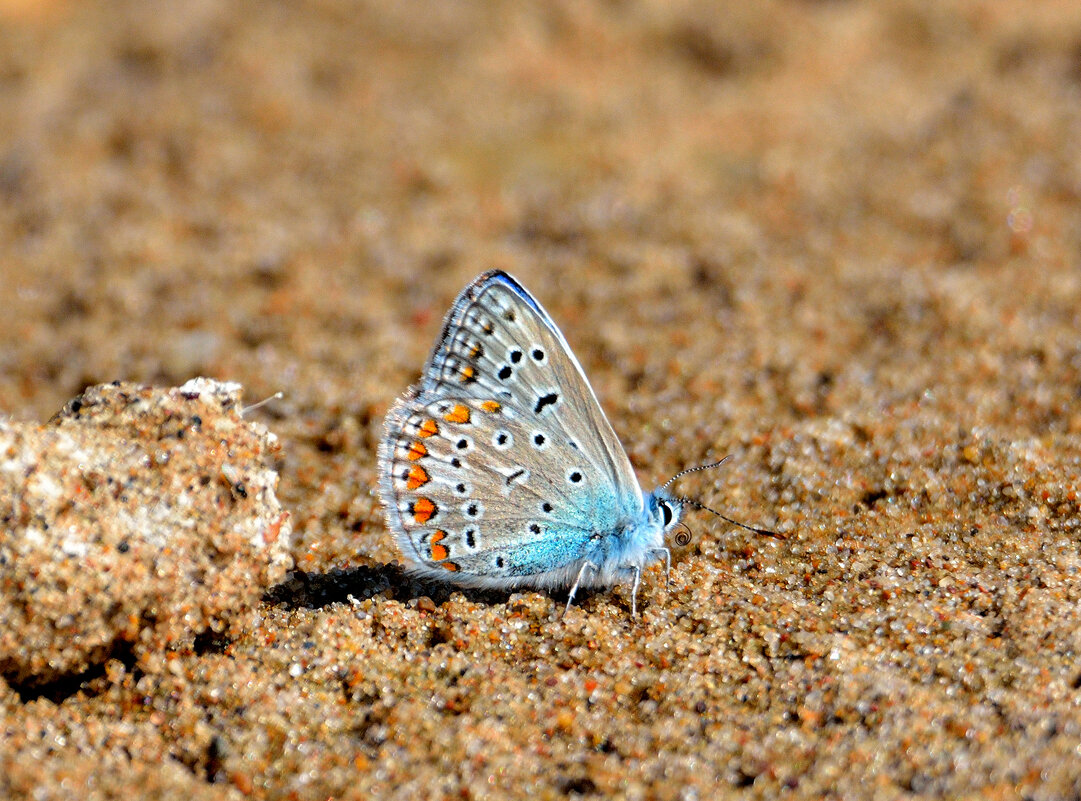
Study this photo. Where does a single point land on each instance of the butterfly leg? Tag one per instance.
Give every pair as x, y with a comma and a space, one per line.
587, 565
667, 554
634, 590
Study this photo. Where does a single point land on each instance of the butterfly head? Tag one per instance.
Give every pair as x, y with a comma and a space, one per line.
664, 510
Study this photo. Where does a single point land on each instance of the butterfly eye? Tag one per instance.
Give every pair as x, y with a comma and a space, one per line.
666, 513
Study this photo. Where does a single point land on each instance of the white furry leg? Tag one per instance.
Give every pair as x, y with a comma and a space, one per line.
667, 554
667, 562
634, 590
574, 589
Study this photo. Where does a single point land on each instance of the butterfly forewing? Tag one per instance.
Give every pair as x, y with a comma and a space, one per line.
501, 463
499, 343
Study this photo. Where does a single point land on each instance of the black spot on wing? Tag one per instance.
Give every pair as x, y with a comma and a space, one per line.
546, 400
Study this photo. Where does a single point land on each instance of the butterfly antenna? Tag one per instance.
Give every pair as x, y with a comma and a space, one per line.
263, 402
682, 473
765, 532
698, 505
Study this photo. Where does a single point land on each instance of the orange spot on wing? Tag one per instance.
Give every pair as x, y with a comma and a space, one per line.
417, 451
429, 428
459, 414
423, 510
418, 477
439, 552
451, 566
491, 406
468, 374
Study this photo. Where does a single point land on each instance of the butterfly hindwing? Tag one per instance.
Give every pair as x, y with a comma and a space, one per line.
477, 492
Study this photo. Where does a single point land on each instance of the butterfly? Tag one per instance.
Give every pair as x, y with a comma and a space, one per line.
499, 468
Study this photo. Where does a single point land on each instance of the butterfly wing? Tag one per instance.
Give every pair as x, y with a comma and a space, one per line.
500, 466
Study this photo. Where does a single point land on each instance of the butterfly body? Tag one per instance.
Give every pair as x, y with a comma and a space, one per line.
500, 469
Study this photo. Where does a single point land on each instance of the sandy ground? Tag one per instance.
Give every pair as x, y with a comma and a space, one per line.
839, 241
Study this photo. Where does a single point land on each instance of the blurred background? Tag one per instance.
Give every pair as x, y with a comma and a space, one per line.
288, 194
782, 211
743, 217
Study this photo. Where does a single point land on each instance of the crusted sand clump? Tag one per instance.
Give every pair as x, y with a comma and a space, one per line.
132, 522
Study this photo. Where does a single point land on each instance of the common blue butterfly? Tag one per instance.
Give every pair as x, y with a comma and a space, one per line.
499, 469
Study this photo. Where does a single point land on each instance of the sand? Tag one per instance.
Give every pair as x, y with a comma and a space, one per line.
837, 241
